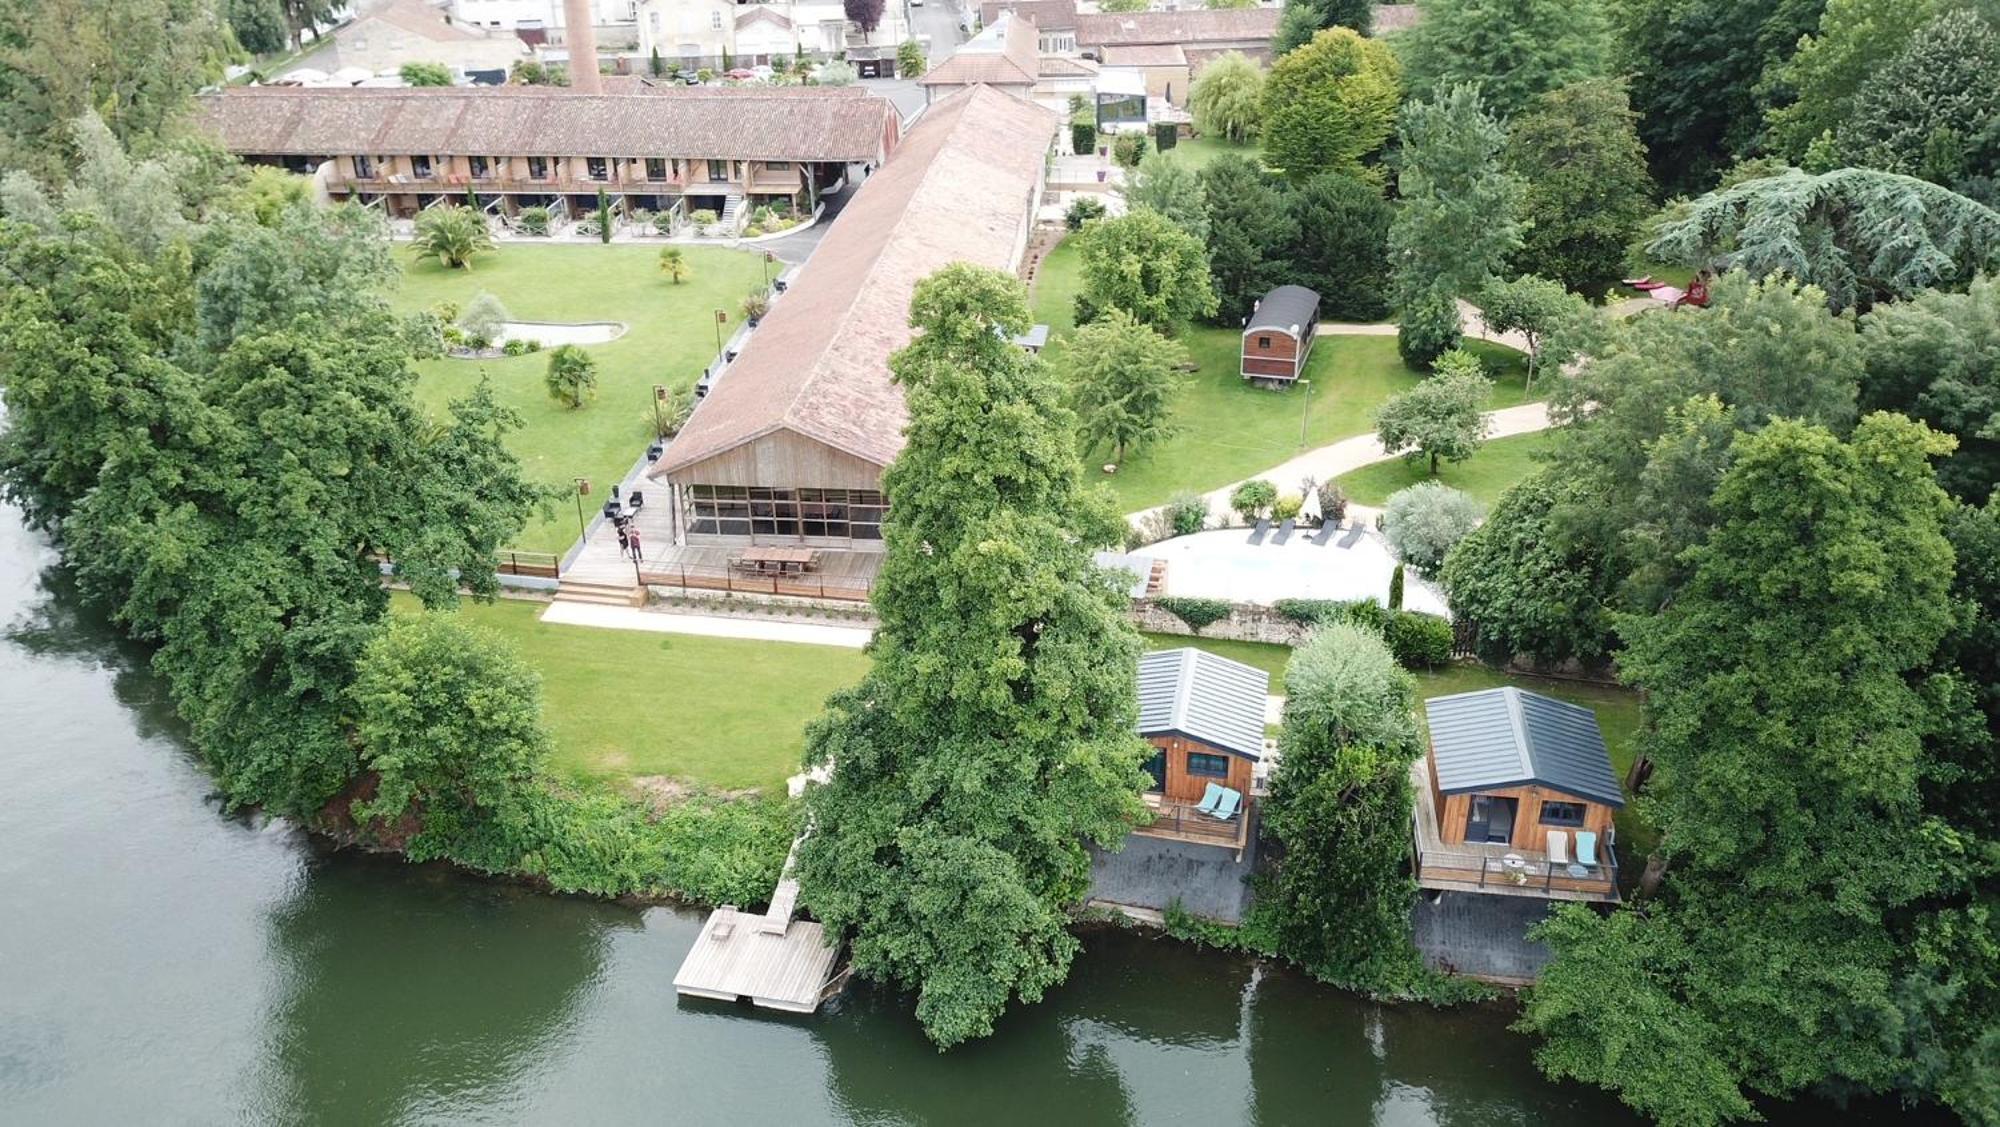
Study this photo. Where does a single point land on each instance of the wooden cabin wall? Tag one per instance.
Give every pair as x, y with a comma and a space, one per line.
1528, 832
1279, 360
1183, 787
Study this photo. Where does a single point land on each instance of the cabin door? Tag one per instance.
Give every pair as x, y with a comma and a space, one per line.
1156, 766
1491, 820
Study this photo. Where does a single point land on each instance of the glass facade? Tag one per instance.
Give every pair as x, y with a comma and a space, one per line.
830, 514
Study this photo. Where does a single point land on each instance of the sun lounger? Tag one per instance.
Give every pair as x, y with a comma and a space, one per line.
1326, 532
1257, 535
1284, 531
1353, 535
1558, 847
1211, 798
1226, 809
1586, 848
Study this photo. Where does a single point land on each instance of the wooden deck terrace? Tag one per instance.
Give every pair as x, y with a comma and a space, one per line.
772, 959
1180, 821
836, 574
1501, 870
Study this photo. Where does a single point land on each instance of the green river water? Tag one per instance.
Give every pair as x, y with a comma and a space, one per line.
161, 962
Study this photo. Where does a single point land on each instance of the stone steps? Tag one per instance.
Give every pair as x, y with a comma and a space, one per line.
601, 594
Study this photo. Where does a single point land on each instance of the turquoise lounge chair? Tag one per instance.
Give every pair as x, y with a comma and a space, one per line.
1211, 798
1226, 809
1586, 849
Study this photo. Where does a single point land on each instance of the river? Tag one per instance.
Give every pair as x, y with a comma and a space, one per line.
161, 962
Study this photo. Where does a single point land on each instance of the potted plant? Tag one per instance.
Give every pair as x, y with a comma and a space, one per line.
756, 303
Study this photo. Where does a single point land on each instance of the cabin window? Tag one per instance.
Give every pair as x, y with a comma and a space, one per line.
656, 168
1263, 342
538, 168
420, 167
1562, 813
364, 168
718, 170
597, 168
480, 167
1156, 770
777, 165
854, 514
1208, 766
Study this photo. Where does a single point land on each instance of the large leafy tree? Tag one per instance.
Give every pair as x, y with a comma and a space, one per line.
1513, 50
1529, 587
1303, 19
1167, 185
1330, 104
1438, 420
1696, 68
993, 735
1457, 223
61, 58
1584, 184
1121, 378
259, 25
1341, 250
1227, 98
1337, 901
1930, 111
1250, 234
1813, 92
1147, 265
1554, 322
1783, 714
1936, 357
1858, 234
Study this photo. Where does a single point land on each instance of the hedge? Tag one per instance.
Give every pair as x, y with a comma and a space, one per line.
1197, 613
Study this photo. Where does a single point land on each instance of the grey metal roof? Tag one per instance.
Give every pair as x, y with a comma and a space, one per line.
1196, 694
1287, 307
1509, 737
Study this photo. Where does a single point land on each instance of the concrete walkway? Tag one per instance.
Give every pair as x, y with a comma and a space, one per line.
748, 629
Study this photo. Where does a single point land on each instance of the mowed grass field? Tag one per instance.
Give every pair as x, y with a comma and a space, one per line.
1226, 429
1486, 475
670, 337
712, 712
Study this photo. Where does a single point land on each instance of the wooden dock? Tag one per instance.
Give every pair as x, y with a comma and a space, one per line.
771, 959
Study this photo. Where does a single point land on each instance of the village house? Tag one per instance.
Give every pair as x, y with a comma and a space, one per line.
1515, 797
1054, 20
1003, 56
720, 149
1169, 48
786, 450
381, 39
723, 34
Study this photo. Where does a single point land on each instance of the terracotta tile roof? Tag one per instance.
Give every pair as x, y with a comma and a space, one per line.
1145, 55
1192, 28
1047, 15
813, 123
1007, 53
960, 188
1065, 66
1395, 17
419, 18
1199, 57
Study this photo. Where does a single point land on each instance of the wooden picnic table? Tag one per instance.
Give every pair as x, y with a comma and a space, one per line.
782, 560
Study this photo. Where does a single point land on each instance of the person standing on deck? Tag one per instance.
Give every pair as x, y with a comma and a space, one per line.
633, 537
624, 541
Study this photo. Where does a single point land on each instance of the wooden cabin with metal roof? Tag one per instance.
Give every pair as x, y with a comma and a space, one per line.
1204, 716
1278, 335
1516, 796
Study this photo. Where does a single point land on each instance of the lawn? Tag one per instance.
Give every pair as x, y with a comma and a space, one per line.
1487, 474
1617, 709
1227, 430
718, 712
671, 337
1198, 152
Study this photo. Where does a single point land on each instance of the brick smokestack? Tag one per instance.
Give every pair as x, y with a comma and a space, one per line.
581, 34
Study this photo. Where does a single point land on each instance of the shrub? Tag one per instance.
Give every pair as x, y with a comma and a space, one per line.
1187, 513
909, 59
1287, 506
1423, 523
702, 218
1429, 329
572, 376
1197, 613
1128, 150
1082, 136
1082, 210
663, 222
1332, 502
515, 347
755, 304
1396, 588
1419, 641
1166, 135
1251, 498
483, 319
533, 220
1365, 613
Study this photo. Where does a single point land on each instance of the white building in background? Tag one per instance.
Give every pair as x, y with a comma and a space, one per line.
695, 33
513, 15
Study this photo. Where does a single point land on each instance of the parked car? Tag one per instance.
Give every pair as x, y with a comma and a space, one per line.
740, 74
687, 76
763, 72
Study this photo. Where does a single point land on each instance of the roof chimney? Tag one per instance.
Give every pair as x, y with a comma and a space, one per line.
580, 32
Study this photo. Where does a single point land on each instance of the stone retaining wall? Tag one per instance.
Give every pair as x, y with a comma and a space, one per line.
1247, 622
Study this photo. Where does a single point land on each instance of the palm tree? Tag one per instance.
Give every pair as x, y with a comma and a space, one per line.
572, 376
452, 233
673, 262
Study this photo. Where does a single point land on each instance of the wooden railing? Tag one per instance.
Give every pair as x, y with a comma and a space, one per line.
806, 586
1178, 820
545, 565
1528, 874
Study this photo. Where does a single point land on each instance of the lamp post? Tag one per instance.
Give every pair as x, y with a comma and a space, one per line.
767, 270
1305, 410
659, 428
582, 491
720, 317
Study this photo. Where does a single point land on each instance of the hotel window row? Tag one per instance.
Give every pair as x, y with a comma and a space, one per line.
737, 510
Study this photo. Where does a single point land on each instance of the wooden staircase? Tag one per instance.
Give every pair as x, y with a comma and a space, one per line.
601, 594
1156, 579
